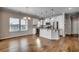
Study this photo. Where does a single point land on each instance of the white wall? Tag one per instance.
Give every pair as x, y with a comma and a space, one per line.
78, 25
72, 25
75, 26
5, 25
68, 25
0, 24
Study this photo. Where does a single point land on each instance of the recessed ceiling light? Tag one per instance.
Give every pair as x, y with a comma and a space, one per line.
29, 18
69, 8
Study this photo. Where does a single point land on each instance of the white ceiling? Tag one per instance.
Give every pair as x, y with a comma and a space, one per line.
44, 11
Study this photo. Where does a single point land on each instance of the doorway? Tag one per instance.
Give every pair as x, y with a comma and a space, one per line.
75, 26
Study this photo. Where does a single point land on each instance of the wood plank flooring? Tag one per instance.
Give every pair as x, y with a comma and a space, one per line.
33, 43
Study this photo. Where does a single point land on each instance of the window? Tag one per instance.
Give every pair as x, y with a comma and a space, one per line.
14, 24
24, 24
18, 24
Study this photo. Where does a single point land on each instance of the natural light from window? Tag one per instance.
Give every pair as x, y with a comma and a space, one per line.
17, 24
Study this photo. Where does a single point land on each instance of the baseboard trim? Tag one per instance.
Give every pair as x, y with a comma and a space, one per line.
76, 35
15, 37
68, 34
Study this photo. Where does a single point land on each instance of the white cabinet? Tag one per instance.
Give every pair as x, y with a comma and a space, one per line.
34, 30
49, 34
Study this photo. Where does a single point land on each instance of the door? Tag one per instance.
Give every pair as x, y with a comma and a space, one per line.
75, 25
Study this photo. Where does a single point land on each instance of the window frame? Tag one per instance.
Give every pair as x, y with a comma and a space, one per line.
10, 24
26, 24
19, 30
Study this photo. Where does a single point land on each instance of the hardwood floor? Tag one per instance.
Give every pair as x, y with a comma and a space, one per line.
38, 44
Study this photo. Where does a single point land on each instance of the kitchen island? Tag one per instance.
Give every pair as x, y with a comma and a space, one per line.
49, 33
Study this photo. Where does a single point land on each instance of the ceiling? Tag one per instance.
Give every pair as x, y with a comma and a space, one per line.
44, 11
